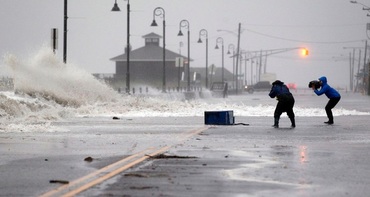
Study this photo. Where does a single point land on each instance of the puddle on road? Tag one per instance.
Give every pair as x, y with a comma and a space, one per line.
262, 169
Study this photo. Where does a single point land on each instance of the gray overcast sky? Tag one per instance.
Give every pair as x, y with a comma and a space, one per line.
95, 34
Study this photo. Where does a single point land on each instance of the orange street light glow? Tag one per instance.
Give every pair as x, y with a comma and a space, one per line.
304, 52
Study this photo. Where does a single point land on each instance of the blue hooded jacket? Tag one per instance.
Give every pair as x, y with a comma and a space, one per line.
326, 89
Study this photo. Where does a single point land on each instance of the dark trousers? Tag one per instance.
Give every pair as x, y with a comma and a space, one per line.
330, 105
285, 104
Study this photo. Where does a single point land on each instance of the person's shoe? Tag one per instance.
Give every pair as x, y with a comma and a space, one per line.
292, 126
275, 126
329, 122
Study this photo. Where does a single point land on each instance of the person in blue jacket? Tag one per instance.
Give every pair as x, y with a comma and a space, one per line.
331, 93
285, 102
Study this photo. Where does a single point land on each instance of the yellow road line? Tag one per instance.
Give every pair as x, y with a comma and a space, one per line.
137, 158
194, 132
114, 173
106, 168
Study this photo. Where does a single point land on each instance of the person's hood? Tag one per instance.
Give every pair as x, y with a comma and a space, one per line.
323, 80
277, 82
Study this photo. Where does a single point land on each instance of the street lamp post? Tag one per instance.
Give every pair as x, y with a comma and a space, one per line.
245, 69
185, 24
367, 68
237, 52
160, 12
232, 47
116, 9
204, 33
248, 56
65, 31
365, 7
221, 40
352, 66
181, 44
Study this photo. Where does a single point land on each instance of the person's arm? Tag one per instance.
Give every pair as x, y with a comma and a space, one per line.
322, 90
272, 92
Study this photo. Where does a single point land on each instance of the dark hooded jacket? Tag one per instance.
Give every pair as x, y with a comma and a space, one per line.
279, 90
326, 89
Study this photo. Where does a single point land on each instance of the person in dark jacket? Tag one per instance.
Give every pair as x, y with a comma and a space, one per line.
333, 96
285, 102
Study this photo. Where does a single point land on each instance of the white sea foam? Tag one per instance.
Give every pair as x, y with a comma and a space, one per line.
46, 76
48, 90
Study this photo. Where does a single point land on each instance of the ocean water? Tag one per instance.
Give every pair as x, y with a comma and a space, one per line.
47, 90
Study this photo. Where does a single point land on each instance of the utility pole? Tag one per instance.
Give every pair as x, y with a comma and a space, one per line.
351, 69
237, 60
358, 70
366, 70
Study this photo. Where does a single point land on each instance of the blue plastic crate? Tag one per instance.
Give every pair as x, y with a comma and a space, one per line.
218, 117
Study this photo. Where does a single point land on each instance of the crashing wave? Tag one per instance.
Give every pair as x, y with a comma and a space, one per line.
46, 76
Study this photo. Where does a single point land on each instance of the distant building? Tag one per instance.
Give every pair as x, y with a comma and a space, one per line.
146, 68
146, 65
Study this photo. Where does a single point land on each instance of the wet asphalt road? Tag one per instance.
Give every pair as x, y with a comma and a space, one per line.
313, 159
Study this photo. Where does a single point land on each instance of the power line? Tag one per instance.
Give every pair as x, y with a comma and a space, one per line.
300, 41
305, 26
